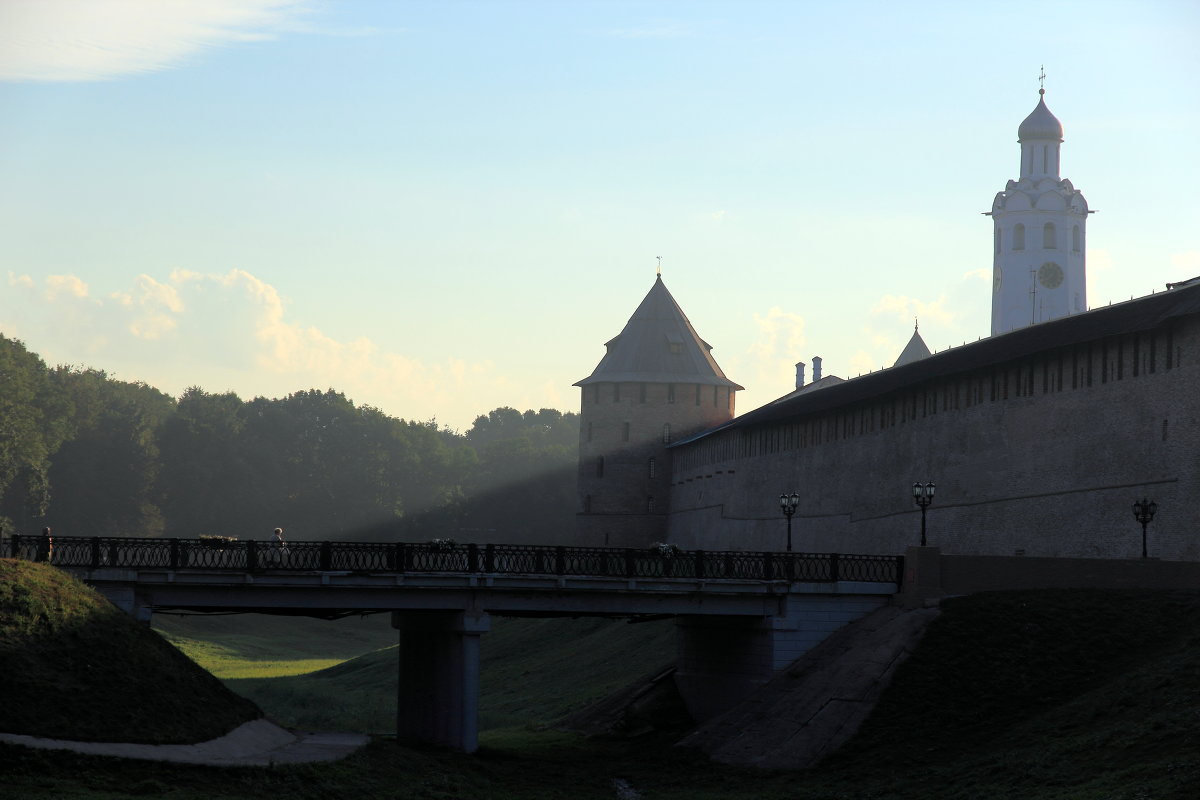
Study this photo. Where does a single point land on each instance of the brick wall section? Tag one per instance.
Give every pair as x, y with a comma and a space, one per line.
1041, 456
623, 424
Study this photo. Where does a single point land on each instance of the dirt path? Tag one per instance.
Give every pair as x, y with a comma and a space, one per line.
259, 743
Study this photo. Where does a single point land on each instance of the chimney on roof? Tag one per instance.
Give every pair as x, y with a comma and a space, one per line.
816, 368
799, 374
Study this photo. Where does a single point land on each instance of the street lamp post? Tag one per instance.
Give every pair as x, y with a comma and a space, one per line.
923, 496
787, 504
1143, 512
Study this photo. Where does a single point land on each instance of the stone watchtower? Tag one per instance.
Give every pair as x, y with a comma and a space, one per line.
1039, 241
657, 383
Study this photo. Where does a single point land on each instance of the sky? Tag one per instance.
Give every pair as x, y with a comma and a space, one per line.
441, 208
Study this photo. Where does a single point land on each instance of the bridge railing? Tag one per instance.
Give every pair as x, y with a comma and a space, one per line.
444, 557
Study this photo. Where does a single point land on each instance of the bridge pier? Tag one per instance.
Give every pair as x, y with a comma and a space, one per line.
722, 659
438, 697
129, 600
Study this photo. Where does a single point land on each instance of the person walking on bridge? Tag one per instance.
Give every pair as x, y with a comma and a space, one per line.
45, 550
280, 547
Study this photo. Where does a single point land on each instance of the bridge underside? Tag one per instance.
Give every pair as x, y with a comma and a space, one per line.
732, 635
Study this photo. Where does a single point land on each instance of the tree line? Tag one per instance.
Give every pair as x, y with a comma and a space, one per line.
89, 455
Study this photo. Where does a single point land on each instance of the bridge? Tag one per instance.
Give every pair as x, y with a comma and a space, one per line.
741, 615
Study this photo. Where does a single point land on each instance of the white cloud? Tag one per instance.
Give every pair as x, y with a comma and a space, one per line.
157, 305
76, 40
909, 308
982, 274
65, 286
231, 331
776, 349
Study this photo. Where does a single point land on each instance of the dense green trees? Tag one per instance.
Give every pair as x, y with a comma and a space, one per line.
94, 456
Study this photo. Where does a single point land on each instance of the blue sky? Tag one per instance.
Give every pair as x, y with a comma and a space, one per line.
444, 207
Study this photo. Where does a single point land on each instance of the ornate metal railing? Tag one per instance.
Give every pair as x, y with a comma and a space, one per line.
450, 558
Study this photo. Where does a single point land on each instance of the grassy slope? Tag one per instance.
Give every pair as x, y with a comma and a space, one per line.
73, 666
1049, 696
533, 670
263, 646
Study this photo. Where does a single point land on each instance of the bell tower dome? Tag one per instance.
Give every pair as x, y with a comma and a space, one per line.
656, 384
1039, 233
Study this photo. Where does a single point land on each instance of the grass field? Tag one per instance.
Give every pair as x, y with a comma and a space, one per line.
533, 670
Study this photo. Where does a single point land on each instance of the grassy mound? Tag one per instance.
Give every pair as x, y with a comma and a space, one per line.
76, 667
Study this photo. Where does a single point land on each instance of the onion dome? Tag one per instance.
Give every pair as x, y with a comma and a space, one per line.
1040, 124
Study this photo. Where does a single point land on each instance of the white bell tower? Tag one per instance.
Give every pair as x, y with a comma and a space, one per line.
1039, 240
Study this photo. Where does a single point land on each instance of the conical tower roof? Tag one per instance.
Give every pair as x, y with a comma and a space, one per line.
915, 350
658, 345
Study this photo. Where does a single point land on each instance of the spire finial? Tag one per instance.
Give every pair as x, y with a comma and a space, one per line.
916, 325
1042, 80
659, 265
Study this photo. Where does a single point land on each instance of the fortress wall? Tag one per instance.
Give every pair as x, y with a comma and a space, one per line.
1042, 456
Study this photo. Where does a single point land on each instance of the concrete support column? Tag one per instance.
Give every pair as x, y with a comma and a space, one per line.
721, 660
922, 576
438, 697
128, 600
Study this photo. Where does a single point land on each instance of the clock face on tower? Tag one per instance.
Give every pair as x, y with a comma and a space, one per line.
1050, 275
997, 278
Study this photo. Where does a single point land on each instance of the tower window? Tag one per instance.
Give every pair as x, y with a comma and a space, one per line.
1048, 236
1075, 238
1018, 237
651, 468
667, 433
676, 348
670, 393
650, 504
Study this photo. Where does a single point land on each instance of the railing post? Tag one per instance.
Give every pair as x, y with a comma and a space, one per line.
251, 555
560, 560
833, 568
326, 556
15, 543
700, 564
791, 567
727, 565
768, 573
173, 548
630, 563
95, 554
489, 558
472, 557
900, 572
